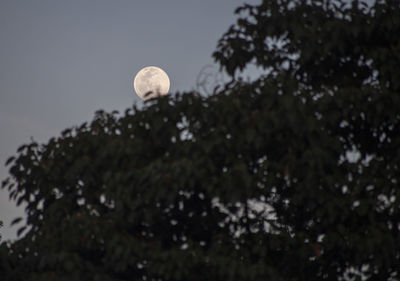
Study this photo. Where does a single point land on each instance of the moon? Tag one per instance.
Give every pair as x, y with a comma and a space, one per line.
151, 79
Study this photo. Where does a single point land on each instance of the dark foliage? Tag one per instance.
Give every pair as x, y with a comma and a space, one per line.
1, 225
294, 176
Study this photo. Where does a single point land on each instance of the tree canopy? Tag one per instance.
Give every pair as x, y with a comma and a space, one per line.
293, 176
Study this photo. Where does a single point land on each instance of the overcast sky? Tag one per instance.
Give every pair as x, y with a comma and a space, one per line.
60, 61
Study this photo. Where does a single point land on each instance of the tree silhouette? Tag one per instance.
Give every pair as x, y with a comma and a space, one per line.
294, 176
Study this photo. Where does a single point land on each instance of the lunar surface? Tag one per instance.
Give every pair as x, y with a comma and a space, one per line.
151, 82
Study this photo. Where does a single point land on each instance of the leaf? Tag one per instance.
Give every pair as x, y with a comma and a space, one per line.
22, 147
20, 231
9, 160
15, 221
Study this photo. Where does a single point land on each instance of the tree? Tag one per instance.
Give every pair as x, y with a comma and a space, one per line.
294, 176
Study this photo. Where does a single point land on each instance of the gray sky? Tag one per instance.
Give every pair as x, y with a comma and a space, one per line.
60, 61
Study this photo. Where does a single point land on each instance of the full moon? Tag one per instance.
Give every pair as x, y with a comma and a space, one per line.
151, 82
